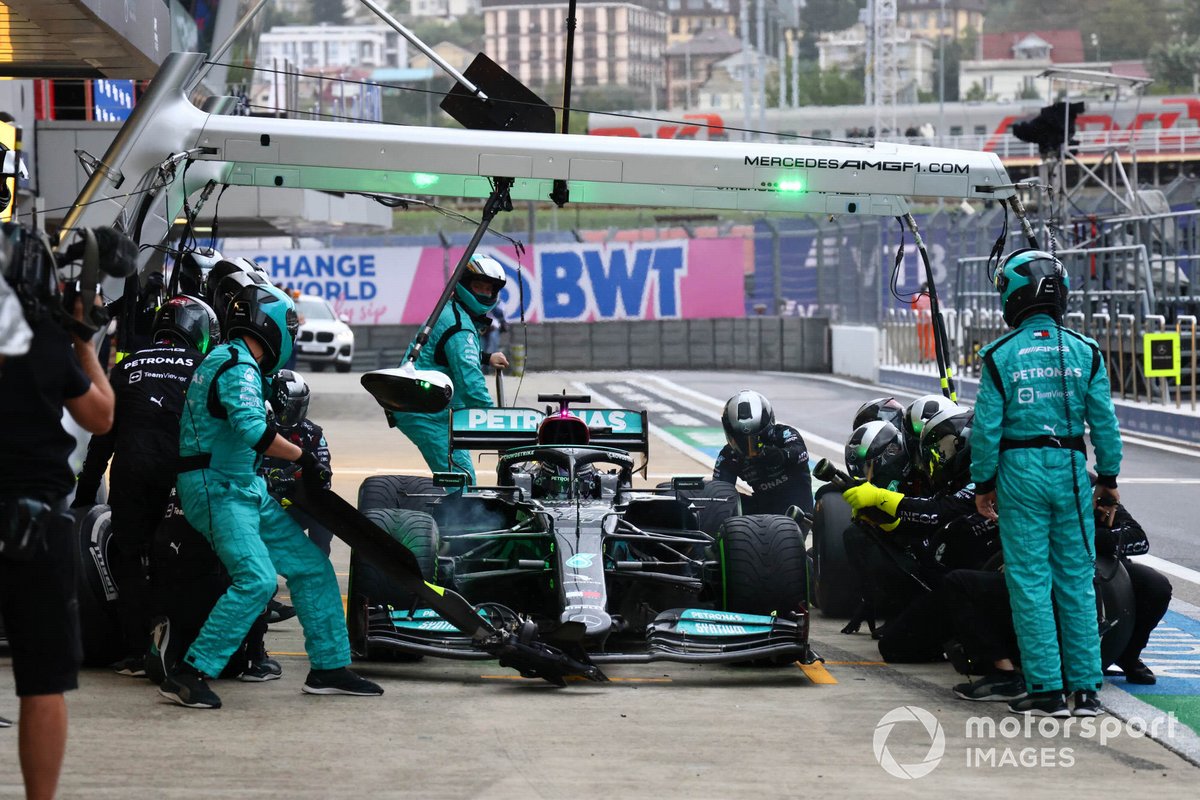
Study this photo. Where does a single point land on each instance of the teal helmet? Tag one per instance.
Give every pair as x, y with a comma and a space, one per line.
1030, 282
268, 315
481, 270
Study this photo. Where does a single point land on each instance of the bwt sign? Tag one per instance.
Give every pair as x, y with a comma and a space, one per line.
575, 285
661, 280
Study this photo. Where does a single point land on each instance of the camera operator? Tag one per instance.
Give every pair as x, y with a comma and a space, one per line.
37, 553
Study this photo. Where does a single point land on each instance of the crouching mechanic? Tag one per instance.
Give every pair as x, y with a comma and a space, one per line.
453, 350
223, 435
770, 457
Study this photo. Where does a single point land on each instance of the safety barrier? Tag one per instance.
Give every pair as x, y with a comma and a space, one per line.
788, 344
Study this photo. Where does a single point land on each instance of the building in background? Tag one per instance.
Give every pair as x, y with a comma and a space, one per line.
930, 19
617, 42
322, 47
915, 58
1011, 63
725, 89
447, 9
690, 63
691, 17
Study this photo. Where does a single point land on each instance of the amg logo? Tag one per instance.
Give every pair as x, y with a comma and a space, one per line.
833, 163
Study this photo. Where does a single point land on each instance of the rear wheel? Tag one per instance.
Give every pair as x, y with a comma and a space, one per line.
764, 568
838, 593
408, 492
371, 586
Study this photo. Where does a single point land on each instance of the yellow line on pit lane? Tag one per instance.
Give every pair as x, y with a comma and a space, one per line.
576, 678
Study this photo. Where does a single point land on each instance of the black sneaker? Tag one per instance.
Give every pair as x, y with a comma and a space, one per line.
339, 681
1041, 704
131, 667
278, 612
997, 686
1137, 672
187, 687
1087, 704
266, 669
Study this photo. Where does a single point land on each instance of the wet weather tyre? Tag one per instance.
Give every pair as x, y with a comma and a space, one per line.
838, 592
717, 502
764, 567
1115, 604
99, 628
407, 492
371, 586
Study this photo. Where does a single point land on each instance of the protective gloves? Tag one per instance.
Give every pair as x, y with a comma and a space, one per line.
314, 474
866, 495
772, 457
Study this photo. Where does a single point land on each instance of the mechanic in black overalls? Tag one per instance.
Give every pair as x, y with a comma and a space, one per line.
770, 457
144, 447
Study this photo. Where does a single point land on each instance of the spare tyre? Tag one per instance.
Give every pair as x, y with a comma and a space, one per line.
1115, 607
838, 588
99, 627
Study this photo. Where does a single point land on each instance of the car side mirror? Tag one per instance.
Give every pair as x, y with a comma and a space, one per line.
344, 318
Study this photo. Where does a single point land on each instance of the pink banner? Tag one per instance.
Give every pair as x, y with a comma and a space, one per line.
672, 279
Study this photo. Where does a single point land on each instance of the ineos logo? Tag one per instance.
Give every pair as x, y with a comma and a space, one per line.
937, 744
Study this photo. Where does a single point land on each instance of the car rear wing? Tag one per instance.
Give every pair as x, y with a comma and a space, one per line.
505, 428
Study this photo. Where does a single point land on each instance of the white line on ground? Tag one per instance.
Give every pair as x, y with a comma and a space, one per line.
675, 442
1170, 567
831, 449
902, 392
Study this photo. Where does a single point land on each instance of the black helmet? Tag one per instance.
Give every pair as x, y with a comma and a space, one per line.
487, 270
887, 409
748, 415
187, 321
945, 451
875, 452
268, 315
919, 412
1031, 281
229, 277
289, 398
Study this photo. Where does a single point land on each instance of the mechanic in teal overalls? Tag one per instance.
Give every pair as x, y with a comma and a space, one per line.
1040, 384
453, 350
223, 435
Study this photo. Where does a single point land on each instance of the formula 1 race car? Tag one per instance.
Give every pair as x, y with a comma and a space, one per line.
564, 537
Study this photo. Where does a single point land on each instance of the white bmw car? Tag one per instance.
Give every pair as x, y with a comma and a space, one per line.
324, 337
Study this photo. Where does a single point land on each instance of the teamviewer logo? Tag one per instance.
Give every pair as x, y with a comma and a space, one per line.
1025, 395
932, 728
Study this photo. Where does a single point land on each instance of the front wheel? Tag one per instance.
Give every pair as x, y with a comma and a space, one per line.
764, 567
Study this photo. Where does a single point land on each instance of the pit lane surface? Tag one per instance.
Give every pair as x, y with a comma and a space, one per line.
459, 729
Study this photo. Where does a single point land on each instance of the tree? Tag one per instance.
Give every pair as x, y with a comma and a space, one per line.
829, 15
331, 11
1175, 65
976, 94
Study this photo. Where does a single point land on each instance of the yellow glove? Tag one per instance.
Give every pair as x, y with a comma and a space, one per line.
866, 495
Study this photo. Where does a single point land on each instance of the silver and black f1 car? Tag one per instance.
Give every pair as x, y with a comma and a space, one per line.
564, 538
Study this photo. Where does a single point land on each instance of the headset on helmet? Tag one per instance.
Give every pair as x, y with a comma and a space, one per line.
919, 412
1031, 281
268, 315
875, 452
289, 398
887, 409
194, 267
746, 419
487, 270
227, 278
945, 450
187, 321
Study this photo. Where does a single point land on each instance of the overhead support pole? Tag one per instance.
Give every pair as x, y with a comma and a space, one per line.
561, 193
941, 343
